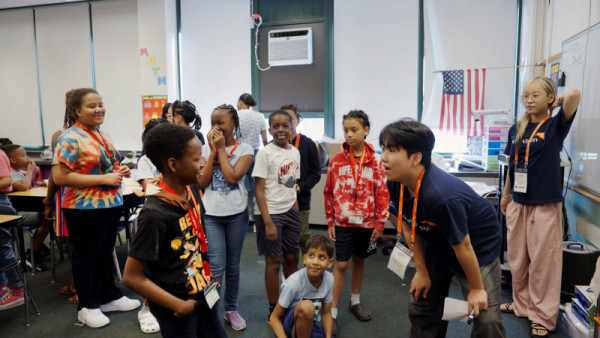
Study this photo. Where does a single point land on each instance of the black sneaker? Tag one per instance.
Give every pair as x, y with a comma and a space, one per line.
39, 265
44, 251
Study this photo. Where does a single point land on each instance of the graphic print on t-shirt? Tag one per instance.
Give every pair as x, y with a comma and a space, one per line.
218, 181
189, 246
318, 303
286, 173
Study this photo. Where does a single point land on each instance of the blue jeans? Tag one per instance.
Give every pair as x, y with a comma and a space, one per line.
6, 249
225, 236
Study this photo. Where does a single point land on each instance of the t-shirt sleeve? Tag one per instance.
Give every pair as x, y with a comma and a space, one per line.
4, 165
451, 218
145, 169
564, 126
245, 149
511, 132
261, 164
289, 292
263, 123
15, 176
297, 171
148, 237
394, 191
66, 152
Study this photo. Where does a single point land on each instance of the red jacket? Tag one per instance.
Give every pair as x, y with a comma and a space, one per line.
372, 198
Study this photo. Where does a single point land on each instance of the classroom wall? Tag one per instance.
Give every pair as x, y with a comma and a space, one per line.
564, 19
215, 53
376, 61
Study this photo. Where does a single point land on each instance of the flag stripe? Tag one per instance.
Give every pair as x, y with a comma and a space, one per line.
460, 86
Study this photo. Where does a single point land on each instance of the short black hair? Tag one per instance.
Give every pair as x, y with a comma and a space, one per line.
166, 140
293, 108
410, 135
279, 112
151, 124
320, 241
9, 149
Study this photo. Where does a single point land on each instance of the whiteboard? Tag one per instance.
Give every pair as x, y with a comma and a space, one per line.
572, 64
587, 142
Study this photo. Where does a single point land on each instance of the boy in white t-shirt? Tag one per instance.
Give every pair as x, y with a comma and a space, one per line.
276, 169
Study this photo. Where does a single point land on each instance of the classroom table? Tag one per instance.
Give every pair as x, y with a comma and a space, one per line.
29, 200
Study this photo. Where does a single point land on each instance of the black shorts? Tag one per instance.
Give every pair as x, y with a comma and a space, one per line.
288, 227
351, 241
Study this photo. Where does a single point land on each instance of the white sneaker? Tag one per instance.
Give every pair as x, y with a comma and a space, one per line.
121, 304
92, 317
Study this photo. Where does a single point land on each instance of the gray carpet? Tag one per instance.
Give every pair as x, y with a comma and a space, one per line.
384, 294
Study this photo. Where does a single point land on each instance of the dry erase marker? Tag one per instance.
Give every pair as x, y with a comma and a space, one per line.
471, 316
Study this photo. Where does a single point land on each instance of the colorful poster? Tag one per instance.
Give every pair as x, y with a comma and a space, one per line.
554, 68
152, 106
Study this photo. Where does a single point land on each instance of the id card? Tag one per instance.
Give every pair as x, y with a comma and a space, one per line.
399, 259
355, 219
520, 180
211, 294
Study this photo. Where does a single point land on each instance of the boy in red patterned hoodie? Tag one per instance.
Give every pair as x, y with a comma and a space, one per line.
356, 206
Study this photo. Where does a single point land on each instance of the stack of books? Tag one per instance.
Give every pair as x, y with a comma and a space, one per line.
583, 306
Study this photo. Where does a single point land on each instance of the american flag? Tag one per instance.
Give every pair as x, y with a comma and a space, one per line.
457, 103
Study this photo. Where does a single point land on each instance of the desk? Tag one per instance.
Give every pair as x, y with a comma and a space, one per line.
29, 200
12, 221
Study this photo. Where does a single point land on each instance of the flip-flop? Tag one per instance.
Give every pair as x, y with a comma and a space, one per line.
74, 299
148, 323
539, 327
507, 308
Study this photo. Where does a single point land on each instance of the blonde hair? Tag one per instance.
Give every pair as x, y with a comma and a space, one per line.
550, 88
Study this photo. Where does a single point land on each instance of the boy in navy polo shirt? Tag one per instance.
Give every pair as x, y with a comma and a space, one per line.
455, 233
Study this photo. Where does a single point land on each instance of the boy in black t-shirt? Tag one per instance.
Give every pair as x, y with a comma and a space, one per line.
454, 230
168, 261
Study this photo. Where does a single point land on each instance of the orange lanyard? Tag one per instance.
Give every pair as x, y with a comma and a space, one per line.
354, 170
103, 143
217, 160
414, 211
297, 140
528, 144
194, 215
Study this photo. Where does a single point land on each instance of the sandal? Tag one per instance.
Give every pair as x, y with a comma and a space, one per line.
507, 308
74, 299
68, 290
538, 327
148, 323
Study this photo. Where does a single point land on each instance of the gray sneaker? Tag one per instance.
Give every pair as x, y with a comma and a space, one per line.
360, 311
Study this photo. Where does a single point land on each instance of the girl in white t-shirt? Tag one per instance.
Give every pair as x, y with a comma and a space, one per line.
226, 201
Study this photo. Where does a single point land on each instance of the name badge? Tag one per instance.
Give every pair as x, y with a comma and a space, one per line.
211, 294
520, 180
355, 219
399, 259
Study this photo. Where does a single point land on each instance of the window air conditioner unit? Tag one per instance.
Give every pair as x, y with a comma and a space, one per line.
290, 47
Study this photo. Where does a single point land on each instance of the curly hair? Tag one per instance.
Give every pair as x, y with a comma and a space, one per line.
73, 101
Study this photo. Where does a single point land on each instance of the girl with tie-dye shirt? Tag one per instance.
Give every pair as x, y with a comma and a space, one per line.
86, 162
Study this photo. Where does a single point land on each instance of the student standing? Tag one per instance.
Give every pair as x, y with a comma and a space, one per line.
86, 162
226, 203
310, 171
276, 213
184, 113
306, 295
452, 230
534, 210
356, 206
253, 129
168, 261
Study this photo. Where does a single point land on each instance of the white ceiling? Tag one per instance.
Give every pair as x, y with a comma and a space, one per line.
25, 3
